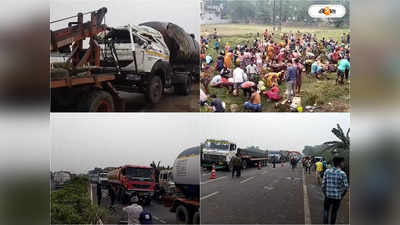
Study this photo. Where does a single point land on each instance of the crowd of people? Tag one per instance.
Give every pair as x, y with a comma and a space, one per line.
257, 68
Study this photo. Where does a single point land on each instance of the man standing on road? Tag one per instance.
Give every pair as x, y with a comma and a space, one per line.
293, 162
236, 162
334, 187
133, 211
318, 170
308, 166
98, 192
111, 193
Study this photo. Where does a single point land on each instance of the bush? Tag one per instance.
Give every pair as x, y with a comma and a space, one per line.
72, 205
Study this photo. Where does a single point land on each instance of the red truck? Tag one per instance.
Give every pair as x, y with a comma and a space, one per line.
130, 179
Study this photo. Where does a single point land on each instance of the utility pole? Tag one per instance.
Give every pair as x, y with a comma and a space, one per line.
280, 16
273, 18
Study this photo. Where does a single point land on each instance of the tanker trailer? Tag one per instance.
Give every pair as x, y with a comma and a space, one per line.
186, 174
252, 157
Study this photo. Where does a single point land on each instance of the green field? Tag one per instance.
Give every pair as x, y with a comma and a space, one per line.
324, 94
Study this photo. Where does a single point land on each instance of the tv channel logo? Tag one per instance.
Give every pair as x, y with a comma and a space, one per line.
327, 11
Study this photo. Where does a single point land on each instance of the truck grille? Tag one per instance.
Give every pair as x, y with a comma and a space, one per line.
142, 186
214, 158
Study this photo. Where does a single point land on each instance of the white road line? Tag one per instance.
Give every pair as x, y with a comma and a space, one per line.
159, 219
207, 196
269, 188
206, 174
91, 193
212, 180
244, 181
264, 172
307, 214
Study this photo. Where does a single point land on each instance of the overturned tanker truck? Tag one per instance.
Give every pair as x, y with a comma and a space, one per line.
145, 58
151, 57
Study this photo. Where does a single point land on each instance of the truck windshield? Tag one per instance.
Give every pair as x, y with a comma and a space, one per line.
145, 174
218, 146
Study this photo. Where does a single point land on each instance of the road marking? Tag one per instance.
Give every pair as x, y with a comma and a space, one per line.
212, 180
264, 172
207, 196
269, 188
244, 181
206, 174
307, 214
159, 219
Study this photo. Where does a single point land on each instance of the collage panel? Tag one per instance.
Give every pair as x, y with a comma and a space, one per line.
275, 56
288, 169
130, 56
140, 173
124, 56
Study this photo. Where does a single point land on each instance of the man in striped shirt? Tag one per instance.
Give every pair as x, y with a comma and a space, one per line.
334, 187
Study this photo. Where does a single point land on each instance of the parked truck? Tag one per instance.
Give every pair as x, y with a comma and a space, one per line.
165, 185
144, 58
186, 173
220, 153
128, 180
60, 178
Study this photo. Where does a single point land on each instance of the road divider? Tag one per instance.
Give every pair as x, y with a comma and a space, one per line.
209, 195
245, 180
209, 181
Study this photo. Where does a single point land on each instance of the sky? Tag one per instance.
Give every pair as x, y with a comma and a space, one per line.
274, 131
185, 13
81, 142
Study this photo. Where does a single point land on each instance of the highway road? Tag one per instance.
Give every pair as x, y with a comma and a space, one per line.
266, 196
160, 213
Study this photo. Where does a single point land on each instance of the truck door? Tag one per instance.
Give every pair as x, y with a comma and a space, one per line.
140, 51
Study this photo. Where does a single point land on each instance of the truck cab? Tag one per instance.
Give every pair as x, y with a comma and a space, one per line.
219, 152
147, 44
129, 180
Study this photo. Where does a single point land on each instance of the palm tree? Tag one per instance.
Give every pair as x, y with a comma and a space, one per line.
343, 145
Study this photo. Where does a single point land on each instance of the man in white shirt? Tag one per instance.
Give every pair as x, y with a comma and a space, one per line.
133, 211
252, 71
238, 78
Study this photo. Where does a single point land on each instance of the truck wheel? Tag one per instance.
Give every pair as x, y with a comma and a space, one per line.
185, 88
154, 90
96, 101
182, 215
196, 218
244, 164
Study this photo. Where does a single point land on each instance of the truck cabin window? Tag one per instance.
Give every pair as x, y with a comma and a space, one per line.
142, 174
218, 146
233, 147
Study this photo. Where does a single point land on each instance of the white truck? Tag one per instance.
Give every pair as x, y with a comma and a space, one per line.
220, 153
145, 58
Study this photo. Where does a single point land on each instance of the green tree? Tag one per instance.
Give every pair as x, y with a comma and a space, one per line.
344, 140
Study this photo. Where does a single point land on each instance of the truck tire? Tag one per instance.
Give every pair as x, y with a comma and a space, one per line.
244, 164
185, 88
182, 215
154, 89
96, 101
196, 218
